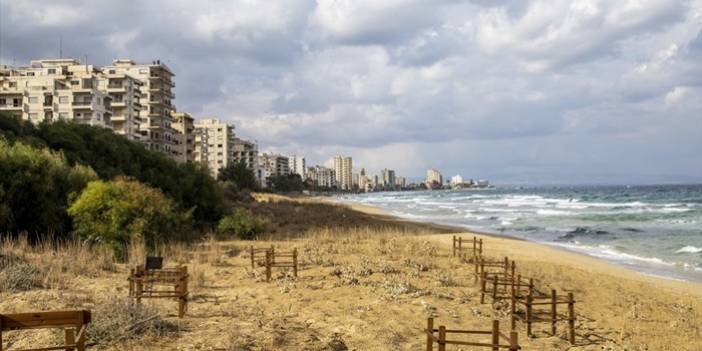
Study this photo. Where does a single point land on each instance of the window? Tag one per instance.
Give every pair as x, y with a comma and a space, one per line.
111, 71
52, 70
75, 82
3, 102
13, 84
33, 99
143, 71
219, 145
63, 99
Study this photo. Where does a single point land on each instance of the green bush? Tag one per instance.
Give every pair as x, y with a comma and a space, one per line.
241, 224
114, 212
36, 187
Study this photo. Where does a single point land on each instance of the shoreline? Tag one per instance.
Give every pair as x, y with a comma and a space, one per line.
556, 254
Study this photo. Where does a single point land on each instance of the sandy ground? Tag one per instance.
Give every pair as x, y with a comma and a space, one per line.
373, 290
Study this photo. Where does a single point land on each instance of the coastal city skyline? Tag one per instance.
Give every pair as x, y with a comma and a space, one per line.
318, 79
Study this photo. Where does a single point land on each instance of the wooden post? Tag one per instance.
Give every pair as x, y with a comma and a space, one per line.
295, 262
513, 342
454, 246
80, 343
513, 308
1, 334
494, 289
272, 254
268, 266
480, 247
460, 245
482, 288
252, 257
131, 282
70, 338
182, 289
475, 264
571, 319
475, 247
430, 330
495, 335
528, 313
554, 315
139, 285
442, 338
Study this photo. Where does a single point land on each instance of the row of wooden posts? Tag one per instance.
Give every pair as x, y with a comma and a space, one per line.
499, 280
272, 258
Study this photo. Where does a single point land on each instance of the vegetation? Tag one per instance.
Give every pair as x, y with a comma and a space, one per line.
286, 183
190, 186
240, 175
115, 212
241, 224
36, 186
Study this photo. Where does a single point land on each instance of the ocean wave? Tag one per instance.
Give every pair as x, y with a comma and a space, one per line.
689, 249
546, 212
582, 231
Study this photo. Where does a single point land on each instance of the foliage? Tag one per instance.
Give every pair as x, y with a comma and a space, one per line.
36, 186
110, 155
239, 174
286, 183
116, 211
241, 224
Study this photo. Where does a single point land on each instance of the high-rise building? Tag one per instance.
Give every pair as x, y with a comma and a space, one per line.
275, 165
297, 165
322, 177
184, 123
456, 180
343, 169
125, 92
388, 179
214, 141
400, 182
247, 152
434, 179
58, 89
156, 95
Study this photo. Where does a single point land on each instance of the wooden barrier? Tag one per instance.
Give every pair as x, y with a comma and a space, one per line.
529, 315
260, 252
273, 259
484, 265
500, 287
511, 344
475, 252
74, 324
148, 283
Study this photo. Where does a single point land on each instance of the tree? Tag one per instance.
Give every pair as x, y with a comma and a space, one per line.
286, 183
239, 174
36, 186
241, 224
114, 212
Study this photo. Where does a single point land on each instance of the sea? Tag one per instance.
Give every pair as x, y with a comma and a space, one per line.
656, 230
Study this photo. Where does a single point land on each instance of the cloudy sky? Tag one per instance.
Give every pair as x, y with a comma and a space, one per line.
515, 91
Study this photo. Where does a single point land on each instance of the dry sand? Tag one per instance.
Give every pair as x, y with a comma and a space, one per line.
373, 290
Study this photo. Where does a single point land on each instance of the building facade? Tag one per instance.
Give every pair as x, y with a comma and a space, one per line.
297, 165
184, 123
343, 169
52, 90
214, 141
434, 179
245, 151
322, 177
274, 164
388, 179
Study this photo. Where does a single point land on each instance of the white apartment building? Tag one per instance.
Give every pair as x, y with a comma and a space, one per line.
388, 179
214, 141
400, 182
297, 165
125, 93
184, 123
58, 89
343, 169
456, 180
434, 178
156, 94
274, 164
321, 177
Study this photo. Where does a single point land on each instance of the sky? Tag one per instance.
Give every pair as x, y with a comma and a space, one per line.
515, 91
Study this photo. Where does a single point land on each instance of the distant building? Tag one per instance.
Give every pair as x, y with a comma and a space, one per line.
245, 151
400, 183
388, 179
456, 180
343, 169
214, 141
183, 122
297, 165
274, 164
434, 179
321, 177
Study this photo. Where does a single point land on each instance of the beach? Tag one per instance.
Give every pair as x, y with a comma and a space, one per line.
365, 289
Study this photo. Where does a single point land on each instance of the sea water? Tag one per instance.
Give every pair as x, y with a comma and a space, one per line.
653, 229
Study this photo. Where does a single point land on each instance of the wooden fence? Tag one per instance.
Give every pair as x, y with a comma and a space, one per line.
439, 336
500, 287
282, 260
74, 324
529, 315
469, 254
160, 283
485, 265
261, 254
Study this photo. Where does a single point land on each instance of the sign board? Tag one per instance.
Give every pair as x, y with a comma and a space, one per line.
154, 263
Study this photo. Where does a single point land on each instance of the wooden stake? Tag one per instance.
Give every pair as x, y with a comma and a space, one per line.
454, 246
494, 289
528, 313
571, 319
252, 257
482, 288
295, 263
460, 244
513, 342
70, 338
442, 338
268, 266
554, 316
513, 308
430, 329
480, 247
495, 335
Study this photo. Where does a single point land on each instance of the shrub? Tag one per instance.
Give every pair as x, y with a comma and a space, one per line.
241, 224
16, 274
122, 319
115, 212
240, 175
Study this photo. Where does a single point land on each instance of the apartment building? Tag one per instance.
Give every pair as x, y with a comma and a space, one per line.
56, 89
388, 179
125, 94
274, 164
214, 141
156, 94
297, 165
321, 177
247, 152
343, 170
400, 182
434, 179
184, 123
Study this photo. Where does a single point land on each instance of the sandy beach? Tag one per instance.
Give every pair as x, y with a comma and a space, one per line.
362, 289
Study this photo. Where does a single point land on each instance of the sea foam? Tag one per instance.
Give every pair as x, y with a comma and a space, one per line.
689, 249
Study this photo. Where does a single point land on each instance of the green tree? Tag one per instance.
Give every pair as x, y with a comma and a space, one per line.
36, 186
241, 224
116, 211
286, 183
239, 174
